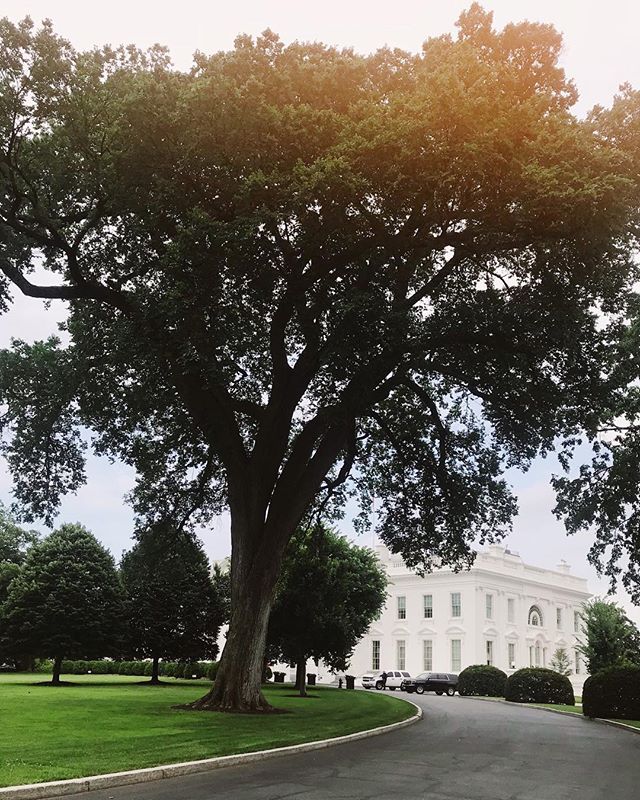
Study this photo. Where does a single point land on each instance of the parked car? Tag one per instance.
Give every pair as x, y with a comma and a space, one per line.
438, 682
395, 679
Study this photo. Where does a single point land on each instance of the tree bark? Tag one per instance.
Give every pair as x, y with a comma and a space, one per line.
155, 679
255, 565
301, 675
57, 666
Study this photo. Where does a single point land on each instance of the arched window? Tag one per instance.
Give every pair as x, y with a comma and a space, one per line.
535, 617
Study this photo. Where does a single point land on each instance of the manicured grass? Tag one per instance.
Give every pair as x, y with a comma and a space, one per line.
106, 723
578, 710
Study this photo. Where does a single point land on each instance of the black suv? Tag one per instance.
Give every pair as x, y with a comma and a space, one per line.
438, 682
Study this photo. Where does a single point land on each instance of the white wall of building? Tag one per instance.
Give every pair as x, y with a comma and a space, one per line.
496, 573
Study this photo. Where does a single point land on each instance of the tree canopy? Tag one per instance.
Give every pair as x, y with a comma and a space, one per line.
329, 592
171, 608
296, 273
609, 637
66, 600
14, 540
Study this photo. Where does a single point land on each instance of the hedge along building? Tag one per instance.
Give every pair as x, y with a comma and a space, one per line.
501, 612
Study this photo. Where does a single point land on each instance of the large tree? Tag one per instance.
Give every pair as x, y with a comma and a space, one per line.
171, 607
609, 638
295, 272
328, 594
66, 600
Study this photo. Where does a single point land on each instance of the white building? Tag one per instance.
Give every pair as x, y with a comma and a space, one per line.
502, 612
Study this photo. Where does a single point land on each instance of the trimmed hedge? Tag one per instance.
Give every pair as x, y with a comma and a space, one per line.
481, 680
539, 685
612, 693
168, 669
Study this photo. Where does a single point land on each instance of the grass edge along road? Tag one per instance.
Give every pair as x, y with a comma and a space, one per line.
634, 723
105, 723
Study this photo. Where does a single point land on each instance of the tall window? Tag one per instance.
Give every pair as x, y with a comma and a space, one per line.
576, 622
456, 654
512, 655
400, 654
489, 652
537, 654
428, 606
456, 607
375, 654
559, 618
489, 606
577, 659
402, 607
427, 655
511, 610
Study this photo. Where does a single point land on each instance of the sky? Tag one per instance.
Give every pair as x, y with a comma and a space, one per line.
600, 53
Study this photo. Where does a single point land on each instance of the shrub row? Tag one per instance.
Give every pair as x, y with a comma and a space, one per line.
612, 693
169, 669
530, 685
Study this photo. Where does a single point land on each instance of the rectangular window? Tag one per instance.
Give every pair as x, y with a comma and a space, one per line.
559, 618
489, 652
456, 654
456, 607
489, 606
402, 607
511, 610
427, 655
428, 605
512, 655
400, 654
375, 654
577, 663
576, 622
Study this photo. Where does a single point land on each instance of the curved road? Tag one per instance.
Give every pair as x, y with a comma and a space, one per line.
462, 749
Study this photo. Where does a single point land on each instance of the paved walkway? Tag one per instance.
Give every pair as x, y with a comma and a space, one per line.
463, 749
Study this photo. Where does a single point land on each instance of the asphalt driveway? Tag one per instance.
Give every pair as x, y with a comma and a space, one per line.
462, 749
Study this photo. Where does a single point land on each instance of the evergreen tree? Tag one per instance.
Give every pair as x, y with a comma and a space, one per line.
66, 600
560, 662
610, 639
173, 610
329, 593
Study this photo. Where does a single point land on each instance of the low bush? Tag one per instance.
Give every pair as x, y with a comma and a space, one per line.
100, 667
43, 665
168, 668
612, 693
539, 685
212, 670
481, 680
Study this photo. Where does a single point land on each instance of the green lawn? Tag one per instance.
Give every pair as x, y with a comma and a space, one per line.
578, 710
108, 723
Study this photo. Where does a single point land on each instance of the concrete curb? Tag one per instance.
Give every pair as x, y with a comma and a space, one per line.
43, 791
573, 714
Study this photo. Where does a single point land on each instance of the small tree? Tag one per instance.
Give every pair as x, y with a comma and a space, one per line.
610, 638
560, 662
329, 594
66, 600
172, 608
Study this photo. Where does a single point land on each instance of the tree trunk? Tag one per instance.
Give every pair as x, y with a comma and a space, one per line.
301, 675
57, 666
155, 679
255, 567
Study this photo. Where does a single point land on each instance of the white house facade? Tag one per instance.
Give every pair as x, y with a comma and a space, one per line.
501, 612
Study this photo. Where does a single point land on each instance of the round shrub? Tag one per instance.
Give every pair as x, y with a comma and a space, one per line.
212, 670
539, 685
481, 680
80, 668
100, 667
67, 667
612, 693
